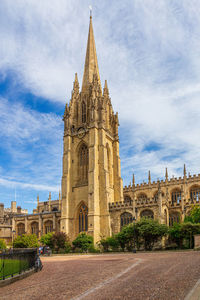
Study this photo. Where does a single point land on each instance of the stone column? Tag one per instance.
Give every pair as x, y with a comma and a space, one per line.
26, 225
54, 222
40, 226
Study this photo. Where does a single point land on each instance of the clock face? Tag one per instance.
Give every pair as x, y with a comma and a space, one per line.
81, 132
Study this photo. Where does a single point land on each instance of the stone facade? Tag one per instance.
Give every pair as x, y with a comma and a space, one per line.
91, 164
6, 217
93, 199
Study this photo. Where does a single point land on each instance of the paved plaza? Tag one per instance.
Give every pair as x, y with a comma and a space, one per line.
156, 276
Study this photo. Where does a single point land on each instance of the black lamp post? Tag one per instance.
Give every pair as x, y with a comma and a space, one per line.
134, 248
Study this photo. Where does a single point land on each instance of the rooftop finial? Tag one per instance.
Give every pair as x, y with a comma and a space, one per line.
184, 171
149, 177
90, 7
166, 175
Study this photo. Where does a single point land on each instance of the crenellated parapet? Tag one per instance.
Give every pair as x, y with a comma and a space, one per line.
120, 205
190, 179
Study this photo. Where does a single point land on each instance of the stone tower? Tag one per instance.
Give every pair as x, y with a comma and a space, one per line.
91, 164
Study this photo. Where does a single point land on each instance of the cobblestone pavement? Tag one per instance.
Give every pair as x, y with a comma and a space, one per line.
140, 276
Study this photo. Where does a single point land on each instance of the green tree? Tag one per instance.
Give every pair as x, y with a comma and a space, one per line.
194, 216
83, 242
2, 245
67, 247
26, 241
104, 243
151, 231
111, 243
59, 240
46, 240
188, 231
122, 239
175, 234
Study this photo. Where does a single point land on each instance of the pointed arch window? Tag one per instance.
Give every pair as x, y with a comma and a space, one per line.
83, 112
83, 163
176, 196
109, 165
83, 218
195, 193
126, 218
20, 228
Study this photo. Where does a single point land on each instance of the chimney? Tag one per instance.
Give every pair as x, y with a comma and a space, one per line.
13, 206
19, 209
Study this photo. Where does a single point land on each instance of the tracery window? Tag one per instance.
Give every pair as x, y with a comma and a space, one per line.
48, 226
83, 164
20, 229
34, 228
126, 218
127, 199
147, 213
176, 196
83, 218
109, 165
174, 218
156, 195
195, 193
142, 197
83, 112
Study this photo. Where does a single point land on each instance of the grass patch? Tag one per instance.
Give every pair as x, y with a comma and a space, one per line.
9, 267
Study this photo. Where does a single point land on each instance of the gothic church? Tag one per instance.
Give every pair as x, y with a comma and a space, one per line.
93, 199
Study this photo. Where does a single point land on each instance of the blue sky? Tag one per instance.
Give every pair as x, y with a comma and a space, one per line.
148, 51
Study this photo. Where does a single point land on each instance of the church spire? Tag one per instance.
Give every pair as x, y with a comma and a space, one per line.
91, 65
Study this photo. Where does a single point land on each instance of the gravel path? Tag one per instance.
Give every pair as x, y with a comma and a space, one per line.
140, 276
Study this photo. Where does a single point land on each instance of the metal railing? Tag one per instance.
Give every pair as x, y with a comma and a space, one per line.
16, 261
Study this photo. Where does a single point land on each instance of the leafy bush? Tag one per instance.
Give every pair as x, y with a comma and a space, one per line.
175, 234
83, 242
2, 244
26, 241
151, 231
179, 233
194, 216
145, 232
58, 240
104, 243
67, 247
110, 243
46, 240
93, 249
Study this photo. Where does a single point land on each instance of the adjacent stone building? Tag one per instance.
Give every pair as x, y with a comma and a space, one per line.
93, 199
6, 217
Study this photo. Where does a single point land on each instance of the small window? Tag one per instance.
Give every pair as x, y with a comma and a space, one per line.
83, 112
126, 218
83, 218
83, 164
176, 196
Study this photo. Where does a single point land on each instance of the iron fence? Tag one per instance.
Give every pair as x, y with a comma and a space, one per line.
16, 261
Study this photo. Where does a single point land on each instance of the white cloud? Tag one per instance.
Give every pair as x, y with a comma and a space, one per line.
32, 143
38, 187
148, 51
